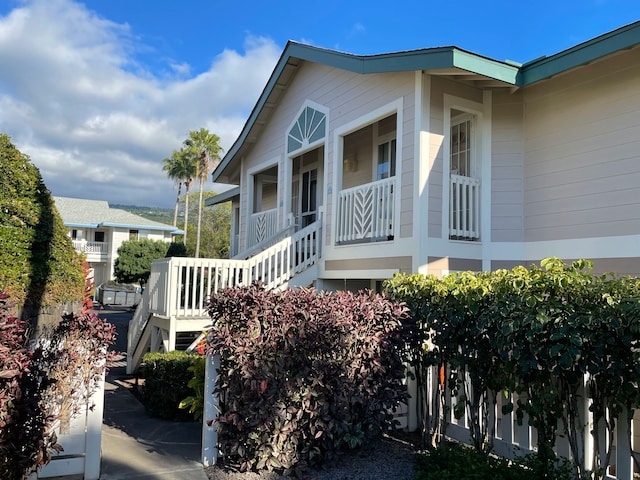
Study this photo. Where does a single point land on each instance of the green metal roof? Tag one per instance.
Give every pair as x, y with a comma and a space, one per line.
439, 58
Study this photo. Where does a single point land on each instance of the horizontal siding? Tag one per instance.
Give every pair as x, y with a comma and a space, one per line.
439, 87
582, 149
348, 96
402, 264
507, 168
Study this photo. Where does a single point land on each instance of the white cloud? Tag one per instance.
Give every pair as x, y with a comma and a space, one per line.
96, 122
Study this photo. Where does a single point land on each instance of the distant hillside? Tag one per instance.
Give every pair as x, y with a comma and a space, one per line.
162, 215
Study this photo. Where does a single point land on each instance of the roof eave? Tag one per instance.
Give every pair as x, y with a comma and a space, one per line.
168, 229
413, 60
621, 39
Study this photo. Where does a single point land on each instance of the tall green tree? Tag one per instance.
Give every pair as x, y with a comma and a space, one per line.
179, 169
133, 264
204, 149
215, 234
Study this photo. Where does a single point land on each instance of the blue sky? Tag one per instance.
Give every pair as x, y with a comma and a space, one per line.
98, 92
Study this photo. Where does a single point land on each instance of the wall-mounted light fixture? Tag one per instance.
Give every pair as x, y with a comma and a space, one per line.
350, 162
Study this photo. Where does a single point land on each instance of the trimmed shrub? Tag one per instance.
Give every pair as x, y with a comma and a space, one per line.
166, 378
537, 332
176, 249
38, 264
135, 257
305, 374
195, 402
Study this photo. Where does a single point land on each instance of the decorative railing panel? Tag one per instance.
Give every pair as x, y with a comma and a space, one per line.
464, 208
366, 212
262, 225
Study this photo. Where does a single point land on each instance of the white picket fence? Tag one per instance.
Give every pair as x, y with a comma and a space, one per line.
511, 439
82, 442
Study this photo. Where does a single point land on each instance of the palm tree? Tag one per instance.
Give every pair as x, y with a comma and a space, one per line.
187, 183
177, 168
203, 149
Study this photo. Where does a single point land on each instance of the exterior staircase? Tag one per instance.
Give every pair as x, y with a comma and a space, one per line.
173, 304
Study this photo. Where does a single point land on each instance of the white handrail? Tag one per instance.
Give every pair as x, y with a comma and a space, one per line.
91, 247
179, 287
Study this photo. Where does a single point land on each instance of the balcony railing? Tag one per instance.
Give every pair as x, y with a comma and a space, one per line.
262, 225
179, 287
464, 208
366, 212
93, 250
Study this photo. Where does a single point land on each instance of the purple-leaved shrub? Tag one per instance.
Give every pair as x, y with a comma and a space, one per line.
305, 373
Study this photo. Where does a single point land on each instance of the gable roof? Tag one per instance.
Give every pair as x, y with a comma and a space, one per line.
441, 60
83, 213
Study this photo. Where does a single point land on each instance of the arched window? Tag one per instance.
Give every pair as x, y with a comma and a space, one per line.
308, 128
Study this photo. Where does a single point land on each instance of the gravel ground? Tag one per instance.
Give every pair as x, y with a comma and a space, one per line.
391, 458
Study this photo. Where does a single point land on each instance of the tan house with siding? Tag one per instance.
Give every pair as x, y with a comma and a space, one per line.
440, 159
352, 168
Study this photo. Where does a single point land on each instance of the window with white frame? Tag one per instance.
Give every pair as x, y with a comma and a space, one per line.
461, 146
386, 160
464, 186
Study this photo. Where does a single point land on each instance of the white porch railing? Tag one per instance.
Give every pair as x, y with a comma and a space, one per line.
91, 248
464, 208
262, 225
510, 439
366, 212
179, 287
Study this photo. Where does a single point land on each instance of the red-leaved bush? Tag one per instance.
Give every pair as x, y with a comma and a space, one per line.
44, 384
305, 373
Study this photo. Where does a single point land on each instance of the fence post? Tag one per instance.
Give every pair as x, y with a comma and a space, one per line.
210, 432
624, 460
93, 445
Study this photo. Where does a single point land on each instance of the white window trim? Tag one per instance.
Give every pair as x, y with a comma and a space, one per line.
476, 110
250, 182
397, 107
310, 146
377, 141
286, 167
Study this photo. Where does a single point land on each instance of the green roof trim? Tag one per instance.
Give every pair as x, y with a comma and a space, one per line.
485, 66
620, 39
441, 58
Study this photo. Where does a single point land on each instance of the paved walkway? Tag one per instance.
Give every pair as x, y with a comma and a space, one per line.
136, 446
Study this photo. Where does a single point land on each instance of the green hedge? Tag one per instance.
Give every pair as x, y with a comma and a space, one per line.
166, 377
535, 331
38, 264
451, 461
